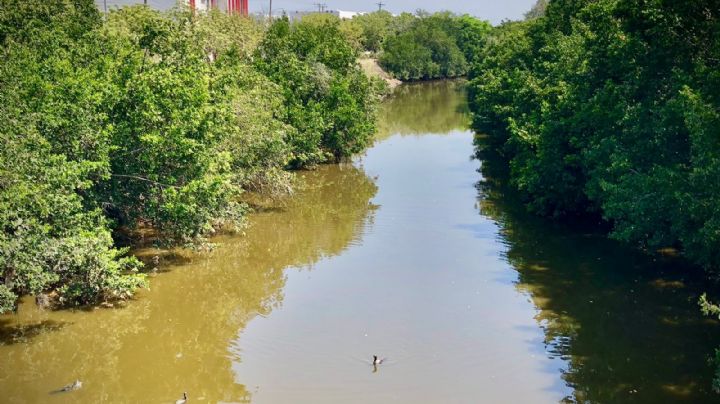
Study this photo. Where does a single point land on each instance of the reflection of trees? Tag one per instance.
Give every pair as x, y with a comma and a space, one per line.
177, 337
322, 220
424, 108
627, 325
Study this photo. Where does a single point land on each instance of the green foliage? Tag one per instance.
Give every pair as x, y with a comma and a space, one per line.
327, 98
54, 149
610, 108
254, 138
153, 120
163, 118
221, 33
432, 46
712, 310
716, 378
418, 47
537, 10
374, 29
407, 59
50, 239
471, 34
708, 308
7, 299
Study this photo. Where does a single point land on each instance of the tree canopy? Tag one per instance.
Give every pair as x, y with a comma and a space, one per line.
610, 108
420, 46
434, 46
150, 120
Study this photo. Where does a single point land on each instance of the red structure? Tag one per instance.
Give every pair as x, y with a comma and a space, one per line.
232, 6
238, 7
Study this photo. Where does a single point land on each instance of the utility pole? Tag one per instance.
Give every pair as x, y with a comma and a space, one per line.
321, 7
380, 5
105, 6
271, 17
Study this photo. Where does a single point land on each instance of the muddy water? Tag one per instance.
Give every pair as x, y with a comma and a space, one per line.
409, 253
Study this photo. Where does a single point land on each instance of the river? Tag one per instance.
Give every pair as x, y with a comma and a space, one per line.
412, 252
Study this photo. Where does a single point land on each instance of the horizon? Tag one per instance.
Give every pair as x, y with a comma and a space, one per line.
483, 9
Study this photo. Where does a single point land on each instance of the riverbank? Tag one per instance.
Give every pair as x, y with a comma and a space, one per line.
371, 67
114, 129
642, 152
396, 254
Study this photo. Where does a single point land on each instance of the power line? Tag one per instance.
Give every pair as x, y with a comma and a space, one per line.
321, 7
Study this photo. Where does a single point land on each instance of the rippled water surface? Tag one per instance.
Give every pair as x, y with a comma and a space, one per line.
413, 253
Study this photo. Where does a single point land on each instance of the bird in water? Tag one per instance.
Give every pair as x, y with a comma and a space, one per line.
377, 361
76, 385
182, 400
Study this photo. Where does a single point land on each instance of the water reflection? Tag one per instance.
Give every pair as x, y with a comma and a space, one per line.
176, 337
425, 280
437, 107
627, 325
420, 289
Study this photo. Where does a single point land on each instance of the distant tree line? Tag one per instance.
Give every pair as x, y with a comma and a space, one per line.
157, 121
611, 109
420, 46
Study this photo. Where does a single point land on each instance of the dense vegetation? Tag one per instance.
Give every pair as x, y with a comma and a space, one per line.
143, 120
611, 108
423, 46
327, 98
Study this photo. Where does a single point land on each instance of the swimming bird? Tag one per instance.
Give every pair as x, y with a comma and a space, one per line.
182, 400
377, 361
76, 385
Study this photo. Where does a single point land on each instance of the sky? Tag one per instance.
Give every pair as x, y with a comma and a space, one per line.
492, 10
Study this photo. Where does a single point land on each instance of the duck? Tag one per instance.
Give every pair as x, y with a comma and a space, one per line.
377, 361
182, 400
76, 385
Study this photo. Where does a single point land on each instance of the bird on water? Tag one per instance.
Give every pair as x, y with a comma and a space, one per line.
182, 400
76, 385
377, 361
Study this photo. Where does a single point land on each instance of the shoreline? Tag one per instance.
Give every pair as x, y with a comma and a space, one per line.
372, 68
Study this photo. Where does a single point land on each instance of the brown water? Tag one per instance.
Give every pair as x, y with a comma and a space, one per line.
408, 253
